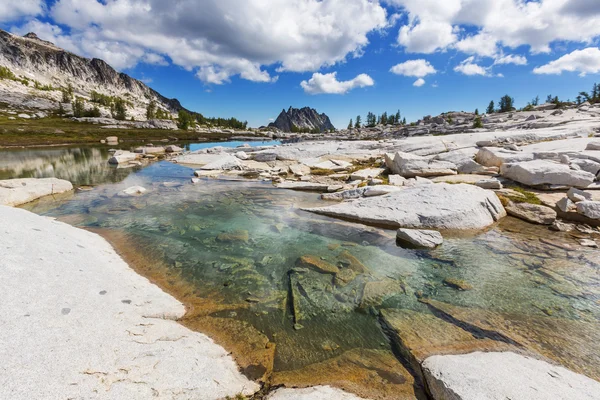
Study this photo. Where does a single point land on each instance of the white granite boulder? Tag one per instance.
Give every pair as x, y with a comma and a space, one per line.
541, 172
590, 209
436, 206
122, 157
224, 163
14, 192
496, 157
536, 214
419, 238
410, 166
499, 376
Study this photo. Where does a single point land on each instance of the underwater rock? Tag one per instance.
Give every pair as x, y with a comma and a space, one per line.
533, 213
374, 293
315, 263
235, 236
457, 284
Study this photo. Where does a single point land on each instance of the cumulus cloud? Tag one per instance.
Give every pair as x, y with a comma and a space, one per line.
416, 68
470, 67
586, 61
511, 59
222, 38
14, 9
435, 25
419, 82
329, 84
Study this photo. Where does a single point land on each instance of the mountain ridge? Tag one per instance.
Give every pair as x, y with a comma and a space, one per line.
30, 57
304, 119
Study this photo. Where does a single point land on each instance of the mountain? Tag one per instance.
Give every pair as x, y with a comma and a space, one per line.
302, 120
39, 71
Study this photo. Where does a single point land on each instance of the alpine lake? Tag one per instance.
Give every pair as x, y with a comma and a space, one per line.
300, 299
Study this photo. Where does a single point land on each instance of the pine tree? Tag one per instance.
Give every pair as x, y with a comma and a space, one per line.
185, 119
61, 109
404, 121
477, 111
506, 103
358, 122
151, 110
78, 107
118, 109
384, 118
398, 117
350, 125
490, 108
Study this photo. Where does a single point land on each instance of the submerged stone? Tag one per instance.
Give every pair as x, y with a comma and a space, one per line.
236, 236
315, 263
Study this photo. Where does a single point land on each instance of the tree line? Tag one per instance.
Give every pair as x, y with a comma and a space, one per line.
374, 120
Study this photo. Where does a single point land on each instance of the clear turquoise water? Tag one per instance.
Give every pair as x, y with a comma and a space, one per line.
509, 268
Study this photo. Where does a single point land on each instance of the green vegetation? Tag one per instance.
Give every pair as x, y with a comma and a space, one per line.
478, 123
39, 86
524, 196
118, 109
185, 120
506, 104
58, 130
151, 110
384, 119
6, 73
350, 125
358, 122
232, 123
79, 110
321, 172
490, 108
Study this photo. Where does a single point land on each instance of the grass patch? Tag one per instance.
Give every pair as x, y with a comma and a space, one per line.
527, 196
321, 171
57, 130
365, 164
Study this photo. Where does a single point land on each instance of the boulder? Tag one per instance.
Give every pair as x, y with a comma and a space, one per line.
265, 157
112, 140
419, 238
566, 205
494, 157
586, 165
173, 149
300, 169
14, 192
410, 166
133, 191
590, 209
122, 157
150, 150
493, 184
541, 172
380, 190
396, 180
317, 187
434, 206
533, 213
595, 145
365, 174
311, 393
345, 195
242, 155
224, 163
576, 195
504, 375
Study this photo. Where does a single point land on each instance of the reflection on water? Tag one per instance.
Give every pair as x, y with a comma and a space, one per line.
315, 287
79, 165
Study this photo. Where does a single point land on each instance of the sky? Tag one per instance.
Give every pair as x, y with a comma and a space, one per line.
252, 58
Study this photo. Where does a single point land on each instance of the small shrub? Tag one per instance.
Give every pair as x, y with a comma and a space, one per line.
478, 123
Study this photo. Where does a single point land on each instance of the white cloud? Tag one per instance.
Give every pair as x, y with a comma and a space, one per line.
329, 84
419, 82
14, 9
426, 37
222, 38
470, 67
498, 23
416, 68
482, 44
586, 61
511, 59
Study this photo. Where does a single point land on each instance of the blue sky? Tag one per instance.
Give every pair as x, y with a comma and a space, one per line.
248, 60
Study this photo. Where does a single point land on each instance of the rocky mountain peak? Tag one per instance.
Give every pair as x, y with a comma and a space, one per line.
303, 119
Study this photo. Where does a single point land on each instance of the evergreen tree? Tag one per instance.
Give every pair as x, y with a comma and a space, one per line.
78, 107
119, 110
404, 121
350, 125
478, 123
398, 117
358, 123
61, 109
185, 119
506, 104
490, 108
371, 119
477, 111
384, 118
151, 110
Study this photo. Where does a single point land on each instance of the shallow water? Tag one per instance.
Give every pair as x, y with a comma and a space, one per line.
241, 242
